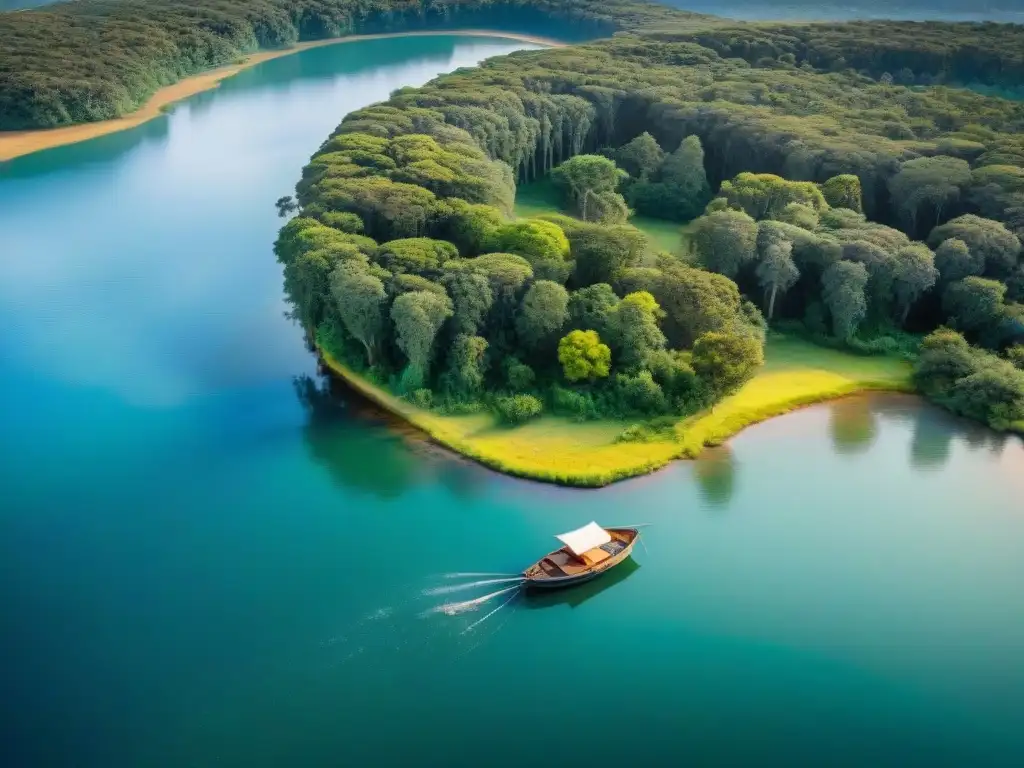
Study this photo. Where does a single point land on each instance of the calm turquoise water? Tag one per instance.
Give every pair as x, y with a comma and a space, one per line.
208, 558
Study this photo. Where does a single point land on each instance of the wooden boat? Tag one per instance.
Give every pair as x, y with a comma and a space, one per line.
587, 553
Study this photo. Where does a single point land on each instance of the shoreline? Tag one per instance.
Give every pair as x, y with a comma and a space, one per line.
14, 144
693, 434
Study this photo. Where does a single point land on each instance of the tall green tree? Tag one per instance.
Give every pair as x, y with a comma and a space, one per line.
726, 360
583, 356
680, 191
914, 274
590, 182
359, 300
974, 303
600, 251
725, 241
800, 215
776, 272
844, 284
641, 157
418, 316
542, 315
590, 308
944, 357
955, 261
416, 255
471, 298
844, 191
990, 242
926, 187
467, 360
634, 328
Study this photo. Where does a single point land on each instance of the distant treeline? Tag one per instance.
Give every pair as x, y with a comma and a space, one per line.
96, 59
843, 10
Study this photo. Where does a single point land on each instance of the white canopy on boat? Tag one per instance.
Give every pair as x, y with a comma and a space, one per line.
585, 538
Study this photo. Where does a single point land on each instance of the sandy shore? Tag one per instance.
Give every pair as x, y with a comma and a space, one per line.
17, 143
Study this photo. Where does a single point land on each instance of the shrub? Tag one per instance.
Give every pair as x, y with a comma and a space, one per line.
579, 406
452, 407
518, 375
639, 394
970, 381
516, 409
661, 428
673, 372
421, 398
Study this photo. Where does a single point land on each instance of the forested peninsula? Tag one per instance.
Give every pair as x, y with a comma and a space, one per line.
823, 196
849, 202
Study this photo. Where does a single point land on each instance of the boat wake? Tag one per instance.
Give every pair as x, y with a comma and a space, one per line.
452, 609
412, 626
471, 585
478, 622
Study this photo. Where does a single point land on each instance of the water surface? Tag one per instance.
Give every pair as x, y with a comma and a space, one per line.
211, 558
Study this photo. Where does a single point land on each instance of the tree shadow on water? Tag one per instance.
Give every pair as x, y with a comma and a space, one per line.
365, 448
715, 472
932, 440
351, 439
937, 430
853, 425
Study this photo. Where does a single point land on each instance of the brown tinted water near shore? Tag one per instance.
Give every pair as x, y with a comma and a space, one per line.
18, 143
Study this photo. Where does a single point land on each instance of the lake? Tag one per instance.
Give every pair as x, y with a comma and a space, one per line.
211, 556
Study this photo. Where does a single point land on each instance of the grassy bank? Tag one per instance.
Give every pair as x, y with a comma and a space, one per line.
557, 450
540, 197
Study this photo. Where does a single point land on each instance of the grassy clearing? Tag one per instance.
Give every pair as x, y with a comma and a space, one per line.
558, 450
541, 197
796, 373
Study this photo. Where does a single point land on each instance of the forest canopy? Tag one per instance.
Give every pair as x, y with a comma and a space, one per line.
864, 208
847, 179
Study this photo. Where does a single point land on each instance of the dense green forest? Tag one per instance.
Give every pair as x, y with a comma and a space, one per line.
845, 10
93, 60
96, 59
847, 180
857, 207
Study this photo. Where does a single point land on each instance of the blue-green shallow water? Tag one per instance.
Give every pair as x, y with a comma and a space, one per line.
206, 562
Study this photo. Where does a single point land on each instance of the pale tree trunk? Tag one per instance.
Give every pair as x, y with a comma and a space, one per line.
771, 300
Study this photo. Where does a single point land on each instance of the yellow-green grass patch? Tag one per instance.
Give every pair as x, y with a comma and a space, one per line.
558, 450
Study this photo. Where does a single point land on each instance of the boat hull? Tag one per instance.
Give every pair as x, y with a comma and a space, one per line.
571, 580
